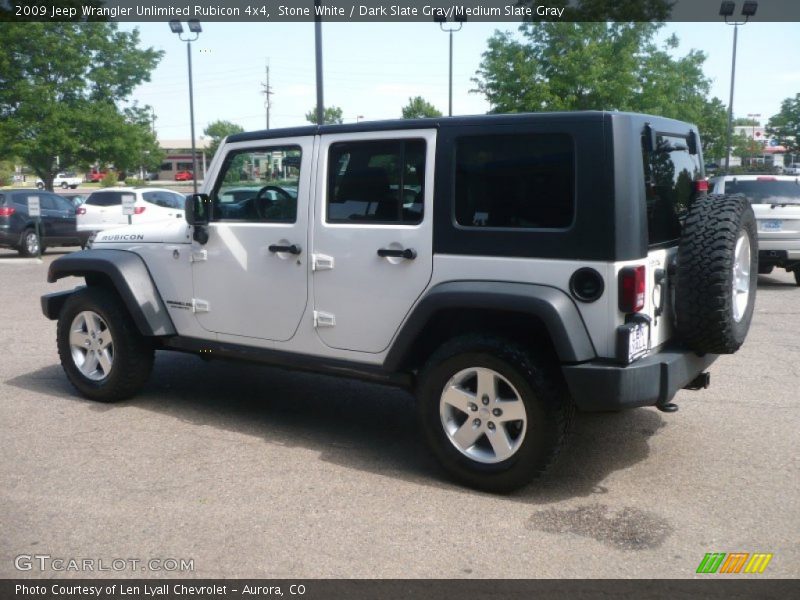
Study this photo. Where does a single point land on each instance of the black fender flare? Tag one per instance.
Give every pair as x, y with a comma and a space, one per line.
131, 280
553, 307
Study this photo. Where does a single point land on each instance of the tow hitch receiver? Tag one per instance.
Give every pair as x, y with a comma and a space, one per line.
701, 382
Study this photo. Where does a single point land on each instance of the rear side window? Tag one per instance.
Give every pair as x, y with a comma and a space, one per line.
165, 199
766, 191
105, 199
669, 176
376, 182
517, 181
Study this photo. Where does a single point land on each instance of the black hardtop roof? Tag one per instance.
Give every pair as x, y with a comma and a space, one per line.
439, 122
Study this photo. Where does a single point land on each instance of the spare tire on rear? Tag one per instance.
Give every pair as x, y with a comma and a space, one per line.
715, 288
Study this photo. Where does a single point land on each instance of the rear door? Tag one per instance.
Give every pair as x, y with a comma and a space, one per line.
63, 217
372, 237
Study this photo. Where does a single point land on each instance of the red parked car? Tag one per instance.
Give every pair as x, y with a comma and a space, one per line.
184, 176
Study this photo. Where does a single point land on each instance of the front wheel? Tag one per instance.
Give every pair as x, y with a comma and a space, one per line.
40, 186
493, 415
102, 353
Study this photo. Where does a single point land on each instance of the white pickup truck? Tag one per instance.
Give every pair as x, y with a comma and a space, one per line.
63, 180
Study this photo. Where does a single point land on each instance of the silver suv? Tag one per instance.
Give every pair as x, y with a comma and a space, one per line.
776, 203
506, 269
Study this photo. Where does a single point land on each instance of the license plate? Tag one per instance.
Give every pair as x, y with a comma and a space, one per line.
772, 225
633, 341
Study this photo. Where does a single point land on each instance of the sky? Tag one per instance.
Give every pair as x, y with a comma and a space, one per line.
372, 69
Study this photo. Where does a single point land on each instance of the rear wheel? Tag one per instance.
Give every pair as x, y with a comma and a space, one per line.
493, 414
716, 283
102, 353
64, 185
30, 244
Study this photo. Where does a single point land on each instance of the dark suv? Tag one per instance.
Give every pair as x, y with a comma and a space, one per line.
18, 228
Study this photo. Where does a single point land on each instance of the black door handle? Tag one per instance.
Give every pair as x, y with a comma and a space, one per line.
293, 249
408, 253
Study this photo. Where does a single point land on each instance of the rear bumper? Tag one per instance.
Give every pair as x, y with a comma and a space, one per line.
652, 380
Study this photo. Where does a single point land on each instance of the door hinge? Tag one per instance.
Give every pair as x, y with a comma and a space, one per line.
198, 255
321, 262
323, 319
200, 305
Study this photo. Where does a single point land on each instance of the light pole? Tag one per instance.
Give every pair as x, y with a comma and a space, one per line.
194, 27
442, 21
726, 10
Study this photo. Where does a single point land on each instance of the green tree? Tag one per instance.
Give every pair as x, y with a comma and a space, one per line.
218, 131
62, 91
599, 66
419, 108
332, 115
785, 126
744, 146
745, 121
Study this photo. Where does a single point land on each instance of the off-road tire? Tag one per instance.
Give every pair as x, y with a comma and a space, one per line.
704, 286
549, 410
133, 353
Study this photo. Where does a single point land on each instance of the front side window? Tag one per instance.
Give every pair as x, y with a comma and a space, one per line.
377, 182
669, 174
258, 185
515, 181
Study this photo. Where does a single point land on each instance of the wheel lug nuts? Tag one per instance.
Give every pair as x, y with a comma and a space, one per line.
497, 412
476, 422
485, 400
490, 425
473, 407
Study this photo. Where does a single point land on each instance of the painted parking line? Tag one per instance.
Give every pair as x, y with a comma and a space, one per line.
21, 261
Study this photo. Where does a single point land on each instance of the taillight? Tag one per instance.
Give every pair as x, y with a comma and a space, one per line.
80, 211
766, 179
7, 211
632, 289
137, 210
701, 186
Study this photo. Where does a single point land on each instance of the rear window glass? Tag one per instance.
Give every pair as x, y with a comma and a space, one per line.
669, 176
515, 181
766, 191
104, 199
165, 199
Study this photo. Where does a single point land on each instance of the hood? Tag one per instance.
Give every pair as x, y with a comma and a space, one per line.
170, 231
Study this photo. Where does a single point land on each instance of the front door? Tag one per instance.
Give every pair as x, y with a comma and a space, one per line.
373, 231
250, 279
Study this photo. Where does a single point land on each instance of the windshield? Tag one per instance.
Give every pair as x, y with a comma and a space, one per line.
766, 191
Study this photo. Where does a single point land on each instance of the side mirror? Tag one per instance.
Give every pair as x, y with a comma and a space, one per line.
197, 209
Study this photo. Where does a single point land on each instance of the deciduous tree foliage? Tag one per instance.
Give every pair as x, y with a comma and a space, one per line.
600, 66
63, 93
419, 108
332, 115
218, 131
785, 126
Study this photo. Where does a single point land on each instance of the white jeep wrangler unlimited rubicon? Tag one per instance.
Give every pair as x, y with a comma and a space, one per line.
507, 269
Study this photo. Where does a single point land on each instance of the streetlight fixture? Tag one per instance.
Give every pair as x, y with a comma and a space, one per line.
726, 10
442, 20
194, 27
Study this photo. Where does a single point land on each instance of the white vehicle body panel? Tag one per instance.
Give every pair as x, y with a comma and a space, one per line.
99, 218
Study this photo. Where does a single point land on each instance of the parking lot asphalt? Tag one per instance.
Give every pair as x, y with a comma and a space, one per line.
259, 472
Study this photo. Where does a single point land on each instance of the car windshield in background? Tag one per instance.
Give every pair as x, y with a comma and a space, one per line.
766, 191
165, 199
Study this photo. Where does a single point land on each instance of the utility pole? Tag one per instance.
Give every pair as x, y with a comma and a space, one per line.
267, 93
